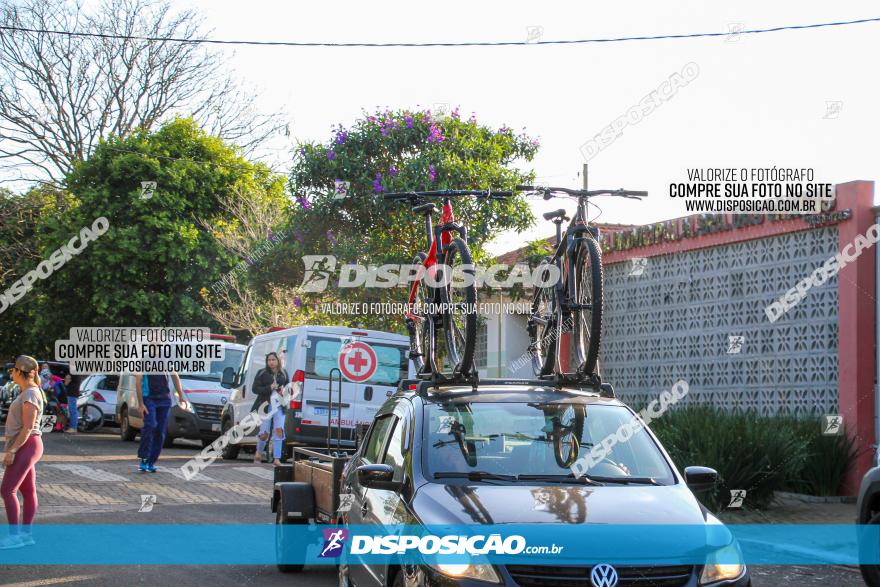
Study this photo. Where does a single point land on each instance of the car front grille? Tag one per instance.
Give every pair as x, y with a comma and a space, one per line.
207, 411
629, 576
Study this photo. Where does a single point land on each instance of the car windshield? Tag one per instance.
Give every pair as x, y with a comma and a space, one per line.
231, 358
538, 441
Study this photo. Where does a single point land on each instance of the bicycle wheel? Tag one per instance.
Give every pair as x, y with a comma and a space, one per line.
460, 318
587, 313
415, 323
568, 430
542, 326
90, 417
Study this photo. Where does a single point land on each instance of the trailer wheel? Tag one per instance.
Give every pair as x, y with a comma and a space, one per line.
283, 543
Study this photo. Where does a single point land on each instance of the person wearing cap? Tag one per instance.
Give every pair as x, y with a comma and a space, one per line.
24, 447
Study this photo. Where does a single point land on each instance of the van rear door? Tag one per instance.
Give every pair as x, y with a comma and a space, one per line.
322, 356
392, 365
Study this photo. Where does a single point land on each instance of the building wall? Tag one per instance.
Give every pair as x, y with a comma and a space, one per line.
712, 281
681, 317
506, 336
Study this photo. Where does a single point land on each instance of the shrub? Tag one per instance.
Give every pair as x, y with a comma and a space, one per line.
827, 462
760, 455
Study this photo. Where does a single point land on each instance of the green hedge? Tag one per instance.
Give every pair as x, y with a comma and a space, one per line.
758, 454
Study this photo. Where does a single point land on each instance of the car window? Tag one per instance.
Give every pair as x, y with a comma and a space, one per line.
242, 369
257, 358
391, 360
536, 439
231, 358
108, 383
322, 356
394, 452
391, 365
376, 442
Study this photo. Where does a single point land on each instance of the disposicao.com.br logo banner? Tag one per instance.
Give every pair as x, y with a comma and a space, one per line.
537, 544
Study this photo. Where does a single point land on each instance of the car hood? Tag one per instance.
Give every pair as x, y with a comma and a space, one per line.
204, 392
436, 503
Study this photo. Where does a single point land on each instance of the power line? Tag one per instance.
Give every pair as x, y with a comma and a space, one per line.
440, 44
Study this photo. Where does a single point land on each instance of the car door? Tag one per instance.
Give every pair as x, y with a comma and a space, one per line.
104, 387
365, 499
130, 397
237, 407
386, 508
242, 399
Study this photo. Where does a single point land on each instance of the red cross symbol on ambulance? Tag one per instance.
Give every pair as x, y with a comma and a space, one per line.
357, 361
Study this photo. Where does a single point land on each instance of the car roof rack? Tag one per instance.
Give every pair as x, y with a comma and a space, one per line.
593, 384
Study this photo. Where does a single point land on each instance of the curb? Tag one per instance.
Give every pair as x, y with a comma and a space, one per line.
804, 498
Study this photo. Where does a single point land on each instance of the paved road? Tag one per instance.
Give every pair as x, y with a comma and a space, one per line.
93, 479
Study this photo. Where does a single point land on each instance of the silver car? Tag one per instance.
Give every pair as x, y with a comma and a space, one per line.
102, 389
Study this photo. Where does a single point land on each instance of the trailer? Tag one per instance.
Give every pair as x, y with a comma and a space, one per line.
307, 491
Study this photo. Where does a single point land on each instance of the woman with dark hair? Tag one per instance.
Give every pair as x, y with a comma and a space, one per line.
268, 386
24, 447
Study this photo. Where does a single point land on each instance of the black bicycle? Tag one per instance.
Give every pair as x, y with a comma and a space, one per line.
569, 297
444, 296
91, 417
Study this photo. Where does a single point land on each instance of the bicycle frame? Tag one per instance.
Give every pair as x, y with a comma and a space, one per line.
441, 234
567, 245
564, 301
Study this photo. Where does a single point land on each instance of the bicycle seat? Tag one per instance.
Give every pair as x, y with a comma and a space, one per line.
428, 208
556, 214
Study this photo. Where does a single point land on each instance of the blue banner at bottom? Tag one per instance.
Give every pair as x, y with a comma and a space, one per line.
315, 544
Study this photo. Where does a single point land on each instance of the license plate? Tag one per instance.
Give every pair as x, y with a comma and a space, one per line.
323, 411
215, 427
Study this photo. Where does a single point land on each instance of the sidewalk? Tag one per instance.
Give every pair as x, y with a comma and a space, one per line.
788, 509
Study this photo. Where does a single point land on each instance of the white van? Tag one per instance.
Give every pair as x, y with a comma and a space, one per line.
374, 362
205, 394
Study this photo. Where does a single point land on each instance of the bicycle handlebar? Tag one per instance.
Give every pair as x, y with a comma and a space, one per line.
548, 192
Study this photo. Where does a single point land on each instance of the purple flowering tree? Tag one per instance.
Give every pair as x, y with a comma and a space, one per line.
390, 151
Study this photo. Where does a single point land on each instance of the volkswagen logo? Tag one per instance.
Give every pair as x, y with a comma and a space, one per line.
603, 576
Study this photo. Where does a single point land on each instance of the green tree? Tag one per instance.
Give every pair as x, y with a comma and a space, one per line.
396, 151
21, 216
161, 250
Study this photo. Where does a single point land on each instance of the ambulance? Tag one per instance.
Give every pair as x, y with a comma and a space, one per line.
365, 365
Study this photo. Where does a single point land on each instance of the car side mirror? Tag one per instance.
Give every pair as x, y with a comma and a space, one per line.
700, 479
228, 379
377, 477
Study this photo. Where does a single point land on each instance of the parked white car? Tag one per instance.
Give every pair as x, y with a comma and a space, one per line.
102, 389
